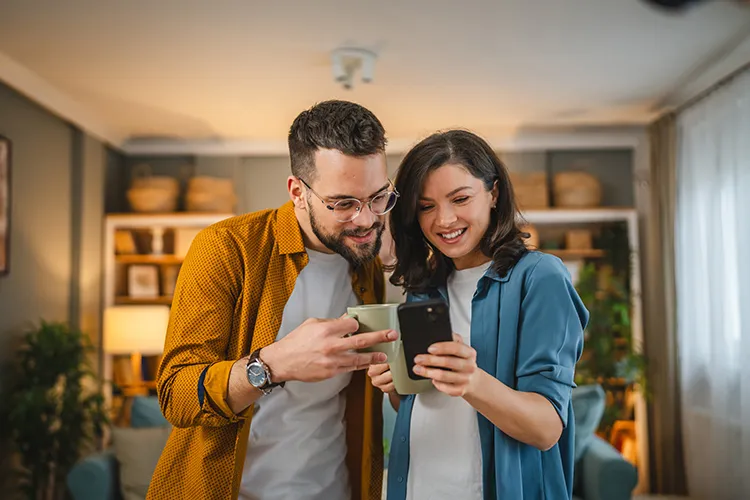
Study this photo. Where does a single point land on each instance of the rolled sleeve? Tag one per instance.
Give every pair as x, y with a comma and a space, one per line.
553, 318
216, 387
193, 378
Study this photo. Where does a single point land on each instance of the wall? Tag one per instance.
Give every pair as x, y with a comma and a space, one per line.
56, 217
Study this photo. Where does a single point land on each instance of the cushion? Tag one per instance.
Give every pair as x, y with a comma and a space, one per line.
137, 452
588, 409
146, 412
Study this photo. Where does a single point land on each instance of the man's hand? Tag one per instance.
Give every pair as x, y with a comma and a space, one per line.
320, 349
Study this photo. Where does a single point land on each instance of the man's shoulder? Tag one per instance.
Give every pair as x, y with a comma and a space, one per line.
242, 234
255, 226
245, 223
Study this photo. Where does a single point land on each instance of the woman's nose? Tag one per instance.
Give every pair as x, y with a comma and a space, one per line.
446, 217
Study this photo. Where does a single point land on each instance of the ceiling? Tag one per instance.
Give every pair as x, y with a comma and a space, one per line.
242, 70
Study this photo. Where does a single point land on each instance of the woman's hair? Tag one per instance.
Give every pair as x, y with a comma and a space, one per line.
419, 265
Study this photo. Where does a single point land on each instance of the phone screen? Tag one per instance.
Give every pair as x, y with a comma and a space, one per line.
423, 324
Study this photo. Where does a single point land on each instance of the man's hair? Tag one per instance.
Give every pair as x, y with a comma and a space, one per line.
341, 125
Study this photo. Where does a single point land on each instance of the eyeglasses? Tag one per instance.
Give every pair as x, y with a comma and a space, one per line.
348, 209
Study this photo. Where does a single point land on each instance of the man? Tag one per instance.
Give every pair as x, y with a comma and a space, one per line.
266, 402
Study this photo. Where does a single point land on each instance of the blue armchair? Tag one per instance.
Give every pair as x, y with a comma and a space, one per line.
96, 477
601, 473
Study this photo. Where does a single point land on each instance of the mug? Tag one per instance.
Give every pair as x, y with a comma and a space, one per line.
377, 317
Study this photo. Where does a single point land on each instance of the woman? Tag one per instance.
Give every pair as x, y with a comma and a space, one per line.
499, 424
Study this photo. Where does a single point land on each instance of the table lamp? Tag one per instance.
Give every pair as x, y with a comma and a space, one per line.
135, 331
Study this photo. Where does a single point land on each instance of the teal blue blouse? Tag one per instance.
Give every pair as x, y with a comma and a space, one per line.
527, 328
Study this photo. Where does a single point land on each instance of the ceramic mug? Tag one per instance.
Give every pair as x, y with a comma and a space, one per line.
377, 317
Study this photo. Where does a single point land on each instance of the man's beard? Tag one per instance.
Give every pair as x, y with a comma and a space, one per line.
364, 253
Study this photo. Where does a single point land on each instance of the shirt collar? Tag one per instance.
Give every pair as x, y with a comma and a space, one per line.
287, 231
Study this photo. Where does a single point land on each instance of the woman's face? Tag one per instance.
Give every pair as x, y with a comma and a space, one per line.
454, 214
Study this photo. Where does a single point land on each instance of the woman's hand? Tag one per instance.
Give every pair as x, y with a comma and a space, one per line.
382, 378
452, 366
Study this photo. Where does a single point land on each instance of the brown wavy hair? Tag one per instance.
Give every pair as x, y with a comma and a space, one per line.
420, 265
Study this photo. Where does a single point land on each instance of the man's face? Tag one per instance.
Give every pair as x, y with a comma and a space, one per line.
342, 177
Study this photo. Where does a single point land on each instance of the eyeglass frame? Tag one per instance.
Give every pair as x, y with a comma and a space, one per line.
332, 206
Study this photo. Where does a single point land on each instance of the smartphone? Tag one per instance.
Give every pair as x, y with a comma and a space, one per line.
423, 324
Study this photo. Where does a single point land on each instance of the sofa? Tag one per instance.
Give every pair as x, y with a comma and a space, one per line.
122, 472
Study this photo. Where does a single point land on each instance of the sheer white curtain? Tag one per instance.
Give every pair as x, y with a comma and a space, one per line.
712, 251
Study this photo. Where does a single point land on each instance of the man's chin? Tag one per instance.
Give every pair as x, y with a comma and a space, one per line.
361, 253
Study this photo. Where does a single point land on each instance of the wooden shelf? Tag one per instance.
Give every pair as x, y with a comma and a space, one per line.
149, 259
579, 215
125, 300
566, 254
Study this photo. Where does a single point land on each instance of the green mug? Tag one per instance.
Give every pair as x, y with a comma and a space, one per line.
377, 317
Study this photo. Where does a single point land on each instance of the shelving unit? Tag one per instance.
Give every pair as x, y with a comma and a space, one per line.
148, 259
115, 290
143, 228
576, 217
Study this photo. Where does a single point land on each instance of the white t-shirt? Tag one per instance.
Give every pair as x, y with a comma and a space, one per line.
445, 453
297, 445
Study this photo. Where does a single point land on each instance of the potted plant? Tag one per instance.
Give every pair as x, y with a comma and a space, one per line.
608, 358
52, 408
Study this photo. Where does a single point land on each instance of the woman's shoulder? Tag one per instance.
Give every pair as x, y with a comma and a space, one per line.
539, 265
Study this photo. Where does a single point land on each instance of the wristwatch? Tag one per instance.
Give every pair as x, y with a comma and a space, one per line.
259, 375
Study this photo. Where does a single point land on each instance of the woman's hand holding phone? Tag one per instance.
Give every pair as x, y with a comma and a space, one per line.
452, 366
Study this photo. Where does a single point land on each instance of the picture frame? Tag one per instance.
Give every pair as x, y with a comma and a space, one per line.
143, 281
5, 205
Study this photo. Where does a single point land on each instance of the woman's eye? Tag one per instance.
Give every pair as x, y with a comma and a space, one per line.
424, 208
462, 199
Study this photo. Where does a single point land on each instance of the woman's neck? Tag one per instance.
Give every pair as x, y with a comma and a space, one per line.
473, 259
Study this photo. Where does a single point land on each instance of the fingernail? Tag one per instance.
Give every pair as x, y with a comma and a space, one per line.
418, 359
418, 369
392, 335
432, 349
381, 357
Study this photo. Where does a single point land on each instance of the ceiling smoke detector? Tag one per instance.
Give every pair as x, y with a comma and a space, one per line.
346, 61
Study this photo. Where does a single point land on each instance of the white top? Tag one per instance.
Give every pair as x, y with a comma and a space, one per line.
445, 454
297, 445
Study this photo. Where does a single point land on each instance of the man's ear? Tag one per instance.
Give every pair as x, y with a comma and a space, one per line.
296, 193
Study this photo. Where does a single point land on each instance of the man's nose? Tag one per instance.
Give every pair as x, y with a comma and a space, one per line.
365, 218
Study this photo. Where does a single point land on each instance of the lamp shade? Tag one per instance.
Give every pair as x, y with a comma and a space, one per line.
135, 329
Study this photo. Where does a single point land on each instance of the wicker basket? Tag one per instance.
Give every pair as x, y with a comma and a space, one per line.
530, 189
150, 193
210, 194
577, 190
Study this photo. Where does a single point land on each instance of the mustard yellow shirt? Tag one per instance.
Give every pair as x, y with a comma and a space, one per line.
229, 301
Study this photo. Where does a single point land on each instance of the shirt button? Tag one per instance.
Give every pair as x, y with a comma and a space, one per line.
400, 479
403, 439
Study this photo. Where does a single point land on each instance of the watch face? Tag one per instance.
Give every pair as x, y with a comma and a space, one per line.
256, 374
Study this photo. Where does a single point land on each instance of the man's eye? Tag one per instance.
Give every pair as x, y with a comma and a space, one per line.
344, 205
